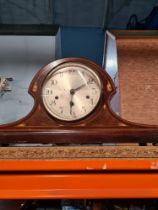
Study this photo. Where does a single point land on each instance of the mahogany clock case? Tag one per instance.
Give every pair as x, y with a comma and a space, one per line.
102, 125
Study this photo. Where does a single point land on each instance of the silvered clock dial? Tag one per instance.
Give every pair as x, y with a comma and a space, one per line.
71, 91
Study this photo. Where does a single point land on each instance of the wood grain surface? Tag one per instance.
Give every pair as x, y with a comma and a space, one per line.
79, 152
138, 78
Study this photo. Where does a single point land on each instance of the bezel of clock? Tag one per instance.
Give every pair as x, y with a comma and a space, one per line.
75, 66
102, 125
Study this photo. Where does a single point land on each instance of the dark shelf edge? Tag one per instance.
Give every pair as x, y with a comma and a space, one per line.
28, 29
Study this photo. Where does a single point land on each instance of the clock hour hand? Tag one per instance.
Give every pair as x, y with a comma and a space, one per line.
80, 87
73, 91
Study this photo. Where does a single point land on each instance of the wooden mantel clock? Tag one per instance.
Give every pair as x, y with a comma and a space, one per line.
71, 105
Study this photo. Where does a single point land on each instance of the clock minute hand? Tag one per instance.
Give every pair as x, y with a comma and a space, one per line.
71, 104
72, 92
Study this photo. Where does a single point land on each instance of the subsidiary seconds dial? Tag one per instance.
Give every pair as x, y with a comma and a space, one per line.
71, 91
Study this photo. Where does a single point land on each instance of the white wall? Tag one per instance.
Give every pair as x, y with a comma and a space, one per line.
21, 57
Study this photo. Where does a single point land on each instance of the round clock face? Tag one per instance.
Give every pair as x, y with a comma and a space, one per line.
71, 91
